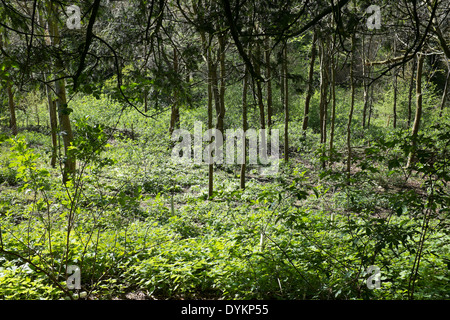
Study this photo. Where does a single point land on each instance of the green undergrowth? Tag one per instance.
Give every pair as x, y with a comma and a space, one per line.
133, 220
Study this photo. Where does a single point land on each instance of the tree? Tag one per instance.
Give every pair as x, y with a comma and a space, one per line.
415, 129
324, 82
244, 125
286, 103
175, 115
310, 81
352, 106
267, 52
12, 109
445, 91
333, 98
60, 88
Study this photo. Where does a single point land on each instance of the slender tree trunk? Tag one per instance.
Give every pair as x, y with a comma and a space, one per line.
145, 100
12, 110
244, 125
322, 83
370, 107
269, 82
411, 87
175, 112
286, 104
366, 77
53, 124
221, 115
333, 111
282, 91
445, 93
210, 119
323, 91
63, 110
395, 101
66, 128
207, 55
310, 82
352, 105
395, 88
259, 95
53, 116
418, 116
216, 93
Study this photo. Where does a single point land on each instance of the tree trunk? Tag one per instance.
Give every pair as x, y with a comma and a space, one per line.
418, 116
63, 110
175, 112
280, 55
216, 93
12, 110
269, 82
352, 105
286, 105
445, 93
366, 76
333, 111
53, 124
221, 115
411, 87
207, 54
395, 89
260, 101
145, 100
395, 100
370, 107
244, 125
53, 116
323, 91
210, 126
310, 82
66, 129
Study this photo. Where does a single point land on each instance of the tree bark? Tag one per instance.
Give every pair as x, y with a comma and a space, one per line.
210, 123
411, 87
260, 100
12, 110
145, 100
63, 110
175, 112
394, 111
323, 91
445, 93
221, 115
210, 67
418, 116
333, 110
282, 91
244, 125
53, 124
352, 105
395, 100
366, 77
310, 82
370, 106
66, 129
269, 82
216, 92
286, 104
